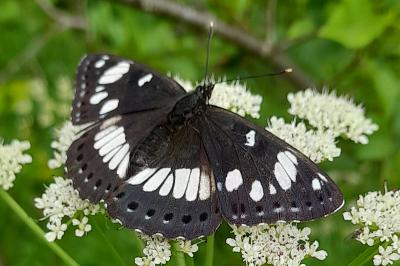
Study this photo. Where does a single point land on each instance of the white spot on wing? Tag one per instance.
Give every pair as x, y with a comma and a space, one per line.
105, 138
112, 144
288, 165
272, 189
114, 73
111, 154
257, 191
322, 177
111, 121
219, 186
204, 191
109, 106
282, 177
250, 138
193, 185
316, 185
104, 132
181, 179
123, 166
100, 88
233, 180
166, 187
98, 97
119, 156
99, 63
156, 180
141, 176
144, 79
291, 157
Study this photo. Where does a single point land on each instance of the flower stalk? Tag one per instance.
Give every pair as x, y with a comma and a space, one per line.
67, 259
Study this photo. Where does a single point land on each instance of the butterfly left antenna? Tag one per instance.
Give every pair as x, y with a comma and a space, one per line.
210, 33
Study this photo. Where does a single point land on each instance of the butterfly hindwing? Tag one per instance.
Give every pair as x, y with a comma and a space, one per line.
108, 85
98, 160
174, 193
262, 179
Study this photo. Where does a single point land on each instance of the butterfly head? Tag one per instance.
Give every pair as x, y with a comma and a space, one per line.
204, 91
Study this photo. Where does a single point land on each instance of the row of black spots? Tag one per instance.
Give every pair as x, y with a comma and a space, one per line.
186, 219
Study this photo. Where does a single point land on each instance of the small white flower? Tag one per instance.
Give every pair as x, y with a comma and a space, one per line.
378, 216
280, 244
57, 230
386, 256
12, 158
232, 96
64, 138
61, 202
157, 251
318, 145
327, 111
83, 226
186, 246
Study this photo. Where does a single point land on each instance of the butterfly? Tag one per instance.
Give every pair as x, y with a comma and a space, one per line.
165, 161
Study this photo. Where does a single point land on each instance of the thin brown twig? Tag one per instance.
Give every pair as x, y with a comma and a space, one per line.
61, 17
243, 39
270, 20
27, 55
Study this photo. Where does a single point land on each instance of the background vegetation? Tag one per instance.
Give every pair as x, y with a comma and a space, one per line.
351, 46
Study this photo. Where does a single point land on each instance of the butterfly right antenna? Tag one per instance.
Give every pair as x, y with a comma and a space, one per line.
210, 33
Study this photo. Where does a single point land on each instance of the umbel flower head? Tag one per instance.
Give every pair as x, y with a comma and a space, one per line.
327, 111
61, 204
318, 145
280, 244
377, 215
12, 157
64, 137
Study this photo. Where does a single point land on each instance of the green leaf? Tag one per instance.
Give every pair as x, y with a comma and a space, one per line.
386, 85
300, 28
355, 23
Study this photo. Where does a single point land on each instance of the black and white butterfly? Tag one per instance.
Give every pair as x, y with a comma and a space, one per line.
165, 161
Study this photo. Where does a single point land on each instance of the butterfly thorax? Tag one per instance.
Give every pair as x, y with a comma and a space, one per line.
191, 105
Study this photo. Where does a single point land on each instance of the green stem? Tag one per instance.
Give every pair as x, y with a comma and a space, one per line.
103, 235
180, 256
138, 242
190, 261
210, 251
365, 256
35, 228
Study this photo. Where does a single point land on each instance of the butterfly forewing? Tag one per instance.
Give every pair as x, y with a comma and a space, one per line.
260, 178
108, 85
173, 194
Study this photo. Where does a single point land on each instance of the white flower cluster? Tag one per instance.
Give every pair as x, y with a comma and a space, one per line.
187, 247
64, 138
327, 111
61, 204
232, 96
378, 215
157, 251
318, 145
280, 244
12, 158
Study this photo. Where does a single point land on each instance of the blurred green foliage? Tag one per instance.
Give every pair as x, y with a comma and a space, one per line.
351, 46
